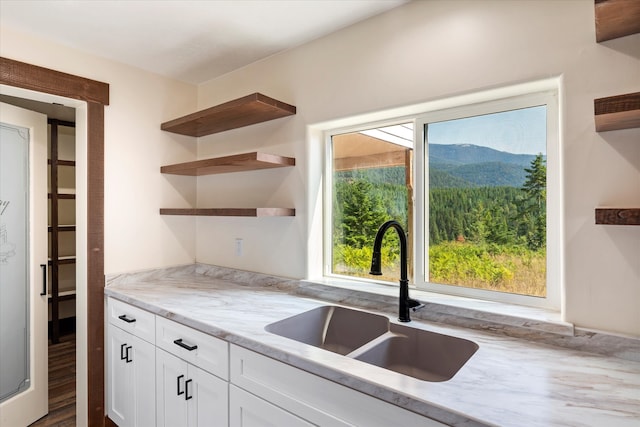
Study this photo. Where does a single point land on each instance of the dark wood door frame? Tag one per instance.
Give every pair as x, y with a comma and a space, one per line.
96, 95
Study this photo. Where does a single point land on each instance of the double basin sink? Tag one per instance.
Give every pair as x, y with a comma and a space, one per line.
371, 338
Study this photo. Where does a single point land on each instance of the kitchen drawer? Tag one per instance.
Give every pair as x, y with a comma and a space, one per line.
132, 319
314, 399
204, 351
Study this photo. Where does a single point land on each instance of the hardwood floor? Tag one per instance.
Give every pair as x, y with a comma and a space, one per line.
62, 384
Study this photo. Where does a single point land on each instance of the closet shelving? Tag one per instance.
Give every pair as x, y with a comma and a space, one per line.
245, 111
613, 19
61, 234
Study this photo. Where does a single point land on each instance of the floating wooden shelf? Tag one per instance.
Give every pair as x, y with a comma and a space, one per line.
618, 216
617, 112
235, 163
616, 18
250, 212
245, 111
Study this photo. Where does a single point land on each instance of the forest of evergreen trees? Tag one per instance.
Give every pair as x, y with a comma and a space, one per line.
495, 220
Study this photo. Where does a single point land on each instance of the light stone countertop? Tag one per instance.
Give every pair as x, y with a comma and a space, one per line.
507, 382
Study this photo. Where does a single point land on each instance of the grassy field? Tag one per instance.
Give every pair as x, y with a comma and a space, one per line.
493, 267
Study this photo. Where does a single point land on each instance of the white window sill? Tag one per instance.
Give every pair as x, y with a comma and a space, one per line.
475, 310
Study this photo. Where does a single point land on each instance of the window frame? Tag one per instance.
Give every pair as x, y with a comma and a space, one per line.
549, 98
543, 92
327, 227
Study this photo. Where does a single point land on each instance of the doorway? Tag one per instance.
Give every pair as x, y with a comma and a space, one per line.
89, 98
60, 287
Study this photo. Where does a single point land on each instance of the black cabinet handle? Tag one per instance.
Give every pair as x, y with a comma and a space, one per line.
122, 354
44, 279
178, 385
186, 387
185, 346
126, 319
127, 355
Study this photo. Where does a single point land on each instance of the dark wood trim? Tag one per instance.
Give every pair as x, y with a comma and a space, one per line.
95, 263
618, 216
96, 94
39, 79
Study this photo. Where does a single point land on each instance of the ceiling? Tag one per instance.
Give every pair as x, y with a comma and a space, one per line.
192, 41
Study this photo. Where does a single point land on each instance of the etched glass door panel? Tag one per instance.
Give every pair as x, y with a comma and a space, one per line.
14, 251
23, 249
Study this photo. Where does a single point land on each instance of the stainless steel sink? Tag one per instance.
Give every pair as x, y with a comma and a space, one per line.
371, 338
337, 329
421, 354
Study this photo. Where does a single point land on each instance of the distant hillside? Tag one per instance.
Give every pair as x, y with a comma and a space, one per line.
464, 154
466, 165
490, 174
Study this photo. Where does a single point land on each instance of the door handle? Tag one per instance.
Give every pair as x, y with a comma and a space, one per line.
185, 346
44, 279
122, 353
127, 355
186, 389
178, 385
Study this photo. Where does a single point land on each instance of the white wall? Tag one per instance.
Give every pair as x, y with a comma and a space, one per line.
427, 51
136, 236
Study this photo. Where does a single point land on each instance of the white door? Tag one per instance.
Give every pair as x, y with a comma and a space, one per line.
171, 378
207, 399
23, 249
119, 381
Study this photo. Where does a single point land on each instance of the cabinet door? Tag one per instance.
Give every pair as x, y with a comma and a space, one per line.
130, 379
119, 378
143, 365
171, 378
207, 399
247, 410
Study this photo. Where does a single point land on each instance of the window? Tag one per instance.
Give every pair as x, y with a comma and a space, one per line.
486, 217
371, 182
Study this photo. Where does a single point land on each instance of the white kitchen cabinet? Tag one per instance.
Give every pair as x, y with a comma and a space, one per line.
247, 410
130, 379
187, 395
314, 399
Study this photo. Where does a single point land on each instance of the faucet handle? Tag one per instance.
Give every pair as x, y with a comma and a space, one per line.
414, 305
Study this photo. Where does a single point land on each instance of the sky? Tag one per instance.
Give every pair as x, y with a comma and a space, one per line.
518, 131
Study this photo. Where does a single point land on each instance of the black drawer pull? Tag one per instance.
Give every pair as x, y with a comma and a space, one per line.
185, 346
186, 388
126, 319
178, 385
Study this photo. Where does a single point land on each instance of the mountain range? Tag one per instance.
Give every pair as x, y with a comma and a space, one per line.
467, 165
